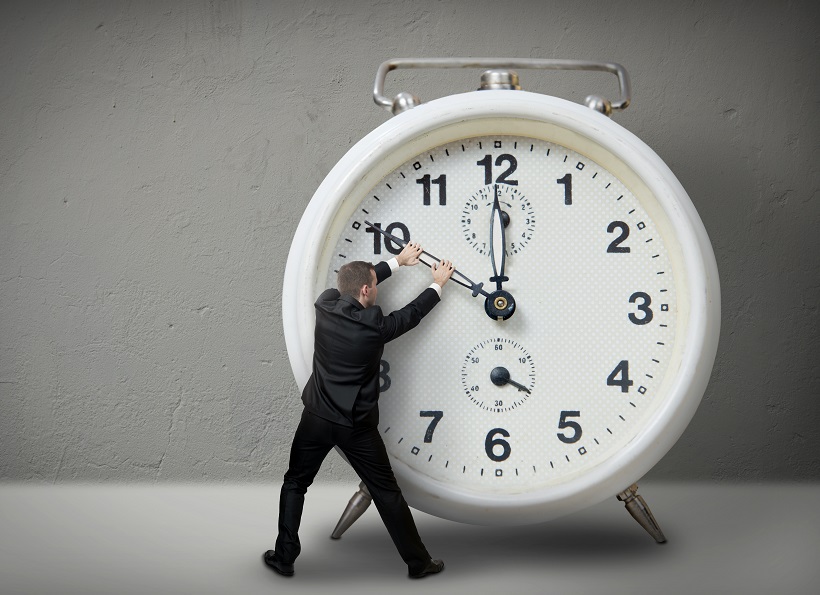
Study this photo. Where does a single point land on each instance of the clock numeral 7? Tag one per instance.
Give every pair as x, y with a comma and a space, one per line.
436, 415
389, 245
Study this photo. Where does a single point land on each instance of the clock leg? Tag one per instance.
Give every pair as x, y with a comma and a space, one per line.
637, 507
357, 505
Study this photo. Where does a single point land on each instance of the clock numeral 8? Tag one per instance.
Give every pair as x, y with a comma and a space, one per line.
385, 379
490, 443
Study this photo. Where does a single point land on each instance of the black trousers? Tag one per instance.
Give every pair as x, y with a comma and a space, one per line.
365, 451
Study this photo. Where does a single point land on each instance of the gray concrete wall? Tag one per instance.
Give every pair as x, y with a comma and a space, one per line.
155, 158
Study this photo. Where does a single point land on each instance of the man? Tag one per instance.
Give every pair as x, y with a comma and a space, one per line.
341, 404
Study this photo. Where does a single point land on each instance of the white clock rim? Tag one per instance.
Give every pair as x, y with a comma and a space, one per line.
427, 126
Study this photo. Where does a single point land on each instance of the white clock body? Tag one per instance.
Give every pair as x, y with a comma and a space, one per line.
617, 300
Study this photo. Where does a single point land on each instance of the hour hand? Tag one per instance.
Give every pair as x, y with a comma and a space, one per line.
498, 242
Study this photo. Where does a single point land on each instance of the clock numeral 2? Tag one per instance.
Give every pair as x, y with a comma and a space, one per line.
389, 245
436, 415
615, 246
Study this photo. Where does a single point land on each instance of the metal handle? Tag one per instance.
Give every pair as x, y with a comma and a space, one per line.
519, 63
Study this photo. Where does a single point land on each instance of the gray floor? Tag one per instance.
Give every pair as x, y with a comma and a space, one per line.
725, 538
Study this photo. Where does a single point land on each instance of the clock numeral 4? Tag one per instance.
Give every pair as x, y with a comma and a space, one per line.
624, 382
565, 423
389, 245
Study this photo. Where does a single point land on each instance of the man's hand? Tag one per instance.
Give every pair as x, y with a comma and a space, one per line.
442, 271
410, 254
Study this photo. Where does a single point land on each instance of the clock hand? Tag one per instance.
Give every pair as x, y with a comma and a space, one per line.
476, 288
501, 376
498, 243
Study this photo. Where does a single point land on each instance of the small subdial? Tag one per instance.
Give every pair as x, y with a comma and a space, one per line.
517, 214
498, 375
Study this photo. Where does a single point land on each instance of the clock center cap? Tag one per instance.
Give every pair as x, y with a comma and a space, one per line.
500, 305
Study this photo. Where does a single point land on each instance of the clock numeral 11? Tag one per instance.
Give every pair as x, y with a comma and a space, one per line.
426, 181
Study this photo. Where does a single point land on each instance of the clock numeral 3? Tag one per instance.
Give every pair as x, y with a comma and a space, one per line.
564, 423
490, 443
643, 307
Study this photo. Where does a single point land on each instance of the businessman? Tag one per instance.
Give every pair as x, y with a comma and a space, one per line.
341, 404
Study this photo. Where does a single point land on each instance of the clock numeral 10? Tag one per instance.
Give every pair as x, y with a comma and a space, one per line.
389, 245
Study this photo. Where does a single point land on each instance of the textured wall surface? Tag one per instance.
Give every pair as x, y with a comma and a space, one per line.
155, 158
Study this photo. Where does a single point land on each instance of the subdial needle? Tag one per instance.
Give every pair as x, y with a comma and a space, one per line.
501, 376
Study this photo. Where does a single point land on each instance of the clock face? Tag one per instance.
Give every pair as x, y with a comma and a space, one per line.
493, 406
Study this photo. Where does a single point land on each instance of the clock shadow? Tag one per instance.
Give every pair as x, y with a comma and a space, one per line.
572, 542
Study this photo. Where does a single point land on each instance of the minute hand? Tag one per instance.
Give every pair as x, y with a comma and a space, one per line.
475, 288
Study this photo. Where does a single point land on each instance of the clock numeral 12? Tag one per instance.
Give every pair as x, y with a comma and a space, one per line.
487, 162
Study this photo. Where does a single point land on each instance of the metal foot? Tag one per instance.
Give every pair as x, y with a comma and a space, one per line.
357, 505
637, 507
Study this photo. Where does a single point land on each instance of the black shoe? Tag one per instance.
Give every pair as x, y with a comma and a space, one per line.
284, 569
433, 567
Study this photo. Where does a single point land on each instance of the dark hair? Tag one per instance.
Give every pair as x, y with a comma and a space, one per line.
352, 276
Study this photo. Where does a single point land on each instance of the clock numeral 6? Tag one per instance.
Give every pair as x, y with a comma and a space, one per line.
491, 442
436, 415
389, 245
564, 423
643, 307
384, 368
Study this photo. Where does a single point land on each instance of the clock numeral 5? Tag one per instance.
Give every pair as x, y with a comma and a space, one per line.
389, 245
491, 442
487, 162
436, 415
564, 423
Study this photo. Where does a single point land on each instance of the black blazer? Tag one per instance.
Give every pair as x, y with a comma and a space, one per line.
348, 345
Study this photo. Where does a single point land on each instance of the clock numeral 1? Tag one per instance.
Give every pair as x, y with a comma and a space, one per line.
624, 382
643, 307
427, 182
389, 245
436, 415
567, 182
384, 368
491, 442
564, 423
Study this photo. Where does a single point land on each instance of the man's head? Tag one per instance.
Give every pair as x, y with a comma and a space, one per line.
358, 280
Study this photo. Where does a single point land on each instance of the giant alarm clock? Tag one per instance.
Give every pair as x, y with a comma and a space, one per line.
583, 338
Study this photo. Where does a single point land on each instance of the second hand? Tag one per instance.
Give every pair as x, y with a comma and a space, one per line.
476, 288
